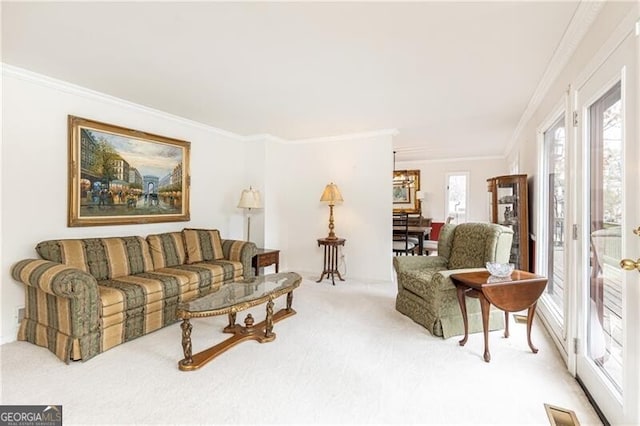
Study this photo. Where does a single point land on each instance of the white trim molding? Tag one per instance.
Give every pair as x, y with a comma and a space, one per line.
66, 87
585, 14
348, 136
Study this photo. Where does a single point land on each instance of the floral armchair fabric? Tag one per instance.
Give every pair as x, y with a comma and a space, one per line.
426, 293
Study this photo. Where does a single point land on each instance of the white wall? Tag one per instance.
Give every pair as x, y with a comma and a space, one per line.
525, 148
34, 171
361, 166
254, 178
290, 177
433, 183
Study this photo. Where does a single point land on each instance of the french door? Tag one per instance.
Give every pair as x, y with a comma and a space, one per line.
607, 359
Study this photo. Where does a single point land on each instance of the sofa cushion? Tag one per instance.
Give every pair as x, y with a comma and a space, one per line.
167, 249
202, 245
470, 245
104, 258
135, 291
228, 270
210, 274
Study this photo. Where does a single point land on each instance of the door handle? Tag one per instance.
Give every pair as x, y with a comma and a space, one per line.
630, 264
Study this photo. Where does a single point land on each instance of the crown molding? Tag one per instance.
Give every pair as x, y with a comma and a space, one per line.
66, 87
585, 14
348, 136
422, 155
451, 159
263, 137
625, 28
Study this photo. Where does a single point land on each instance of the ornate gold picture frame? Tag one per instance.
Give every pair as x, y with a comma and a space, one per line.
123, 176
405, 185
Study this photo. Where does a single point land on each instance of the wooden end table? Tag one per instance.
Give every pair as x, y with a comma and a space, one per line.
519, 291
331, 257
265, 257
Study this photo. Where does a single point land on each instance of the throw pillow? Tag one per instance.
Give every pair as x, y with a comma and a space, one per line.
167, 250
202, 245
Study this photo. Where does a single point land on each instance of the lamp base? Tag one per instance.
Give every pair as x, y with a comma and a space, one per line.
332, 235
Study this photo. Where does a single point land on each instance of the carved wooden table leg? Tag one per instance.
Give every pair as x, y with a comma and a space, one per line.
506, 324
325, 269
463, 308
531, 312
484, 307
186, 341
268, 329
330, 261
232, 327
289, 300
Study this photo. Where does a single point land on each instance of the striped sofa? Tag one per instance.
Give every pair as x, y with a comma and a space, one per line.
85, 296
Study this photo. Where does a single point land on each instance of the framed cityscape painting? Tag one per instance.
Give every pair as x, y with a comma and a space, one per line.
124, 176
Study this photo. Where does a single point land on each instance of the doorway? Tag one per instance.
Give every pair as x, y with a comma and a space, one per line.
607, 358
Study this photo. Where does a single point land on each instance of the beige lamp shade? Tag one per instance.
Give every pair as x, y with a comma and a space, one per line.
331, 194
250, 199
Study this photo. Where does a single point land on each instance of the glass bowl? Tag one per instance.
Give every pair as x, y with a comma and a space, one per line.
500, 269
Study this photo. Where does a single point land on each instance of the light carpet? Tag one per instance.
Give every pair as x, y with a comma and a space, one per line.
347, 357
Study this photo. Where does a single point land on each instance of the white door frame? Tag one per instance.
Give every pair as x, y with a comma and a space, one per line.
560, 333
618, 409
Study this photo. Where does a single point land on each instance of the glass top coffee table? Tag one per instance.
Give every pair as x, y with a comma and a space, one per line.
230, 299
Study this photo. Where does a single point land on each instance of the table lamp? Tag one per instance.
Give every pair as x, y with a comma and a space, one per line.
249, 199
420, 197
331, 196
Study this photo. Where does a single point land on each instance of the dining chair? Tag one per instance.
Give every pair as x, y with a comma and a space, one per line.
431, 245
401, 243
415, 221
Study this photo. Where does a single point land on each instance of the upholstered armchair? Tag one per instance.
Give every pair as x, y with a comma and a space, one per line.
426, 293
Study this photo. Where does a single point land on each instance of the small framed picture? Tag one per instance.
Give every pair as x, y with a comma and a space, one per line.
401, 194
406, 183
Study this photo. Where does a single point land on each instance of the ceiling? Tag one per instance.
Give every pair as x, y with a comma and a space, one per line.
454, 78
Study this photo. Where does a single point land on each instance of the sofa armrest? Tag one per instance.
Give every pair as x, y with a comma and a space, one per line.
240, 251
60, 300
55, 278
442, 280
410, 263
432, 279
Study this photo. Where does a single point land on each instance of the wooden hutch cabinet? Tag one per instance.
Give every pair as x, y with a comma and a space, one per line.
510, 207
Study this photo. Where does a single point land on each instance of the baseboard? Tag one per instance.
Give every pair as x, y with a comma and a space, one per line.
599, 412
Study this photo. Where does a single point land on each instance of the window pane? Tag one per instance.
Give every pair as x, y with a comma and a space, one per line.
457, 198
604, 335
555, 165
